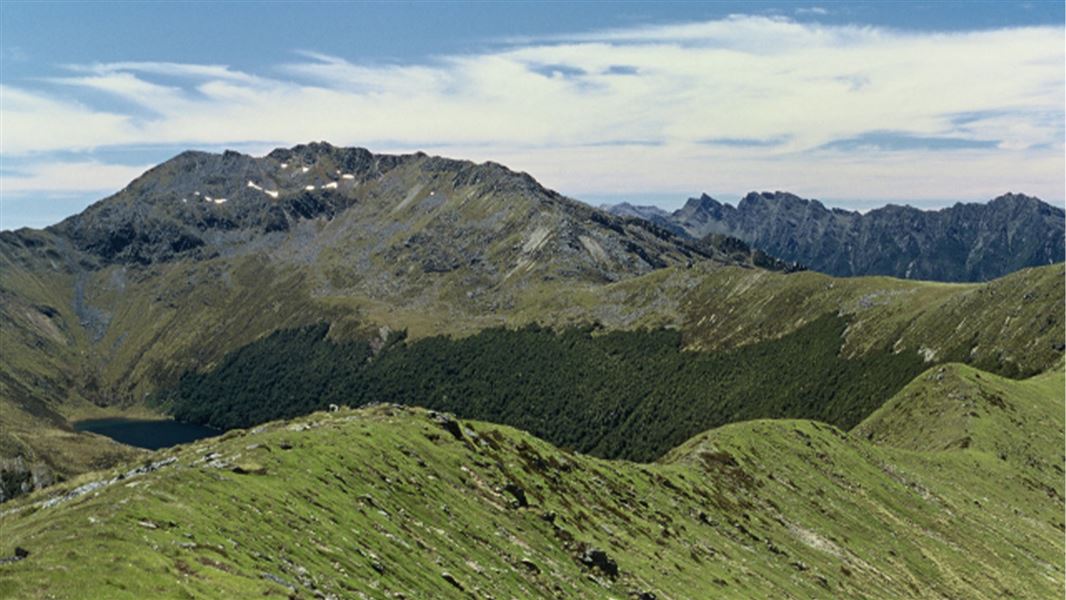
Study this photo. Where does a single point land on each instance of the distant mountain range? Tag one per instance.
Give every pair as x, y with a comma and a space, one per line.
965, 242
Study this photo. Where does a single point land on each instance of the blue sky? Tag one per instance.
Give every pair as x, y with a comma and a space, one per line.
854, 103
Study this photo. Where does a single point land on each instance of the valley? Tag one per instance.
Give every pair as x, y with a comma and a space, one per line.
104, 316
592, 405
430, 300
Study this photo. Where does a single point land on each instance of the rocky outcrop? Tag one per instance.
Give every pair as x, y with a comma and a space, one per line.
964, 242
17, 477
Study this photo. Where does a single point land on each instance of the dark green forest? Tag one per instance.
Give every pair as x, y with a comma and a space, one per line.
631, 395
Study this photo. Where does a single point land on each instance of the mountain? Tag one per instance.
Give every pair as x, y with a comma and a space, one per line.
965, 242
206, 252
202, 205
144, 304
652, 214
953, 489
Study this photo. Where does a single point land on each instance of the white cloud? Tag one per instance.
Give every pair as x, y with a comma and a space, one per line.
172, 69
565, 108
68, 177
34, 122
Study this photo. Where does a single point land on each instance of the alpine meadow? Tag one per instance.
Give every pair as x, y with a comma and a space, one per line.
390, 363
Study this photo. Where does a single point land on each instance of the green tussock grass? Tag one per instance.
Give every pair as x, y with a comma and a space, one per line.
382, 502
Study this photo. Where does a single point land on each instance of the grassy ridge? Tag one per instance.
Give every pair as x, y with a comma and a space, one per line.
959, 407
391, 502
618, 394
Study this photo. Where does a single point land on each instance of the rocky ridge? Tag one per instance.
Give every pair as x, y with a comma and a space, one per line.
964, 242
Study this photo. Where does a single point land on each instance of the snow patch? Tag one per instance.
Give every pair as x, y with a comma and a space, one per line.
347, 176
284, 165
305, 169
309, 188
272, 193
220, 200
330, 186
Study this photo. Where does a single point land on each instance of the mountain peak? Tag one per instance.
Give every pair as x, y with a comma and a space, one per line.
1013, 201
785, 199
965, 242
416, 213
703, 204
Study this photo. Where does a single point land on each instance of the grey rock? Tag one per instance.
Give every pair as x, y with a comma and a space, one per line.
964, 242
452, 580
594, 558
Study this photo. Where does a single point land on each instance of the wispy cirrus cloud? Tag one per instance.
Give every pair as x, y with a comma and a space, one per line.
172, 69
68, 177
893, 141
747, 142
728, 105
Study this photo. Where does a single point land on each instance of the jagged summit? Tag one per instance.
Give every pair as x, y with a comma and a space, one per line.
787, 198
445, 214
964, 242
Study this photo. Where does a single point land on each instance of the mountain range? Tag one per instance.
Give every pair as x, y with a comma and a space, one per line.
694, 413
208, 252
964, 242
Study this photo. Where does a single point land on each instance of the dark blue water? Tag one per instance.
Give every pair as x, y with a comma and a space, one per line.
152, 435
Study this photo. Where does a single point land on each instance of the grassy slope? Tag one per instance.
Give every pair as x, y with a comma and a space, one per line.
958, 407
44, 378
384, 501
170, 318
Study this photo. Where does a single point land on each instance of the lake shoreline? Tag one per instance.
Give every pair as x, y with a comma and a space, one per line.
150, 434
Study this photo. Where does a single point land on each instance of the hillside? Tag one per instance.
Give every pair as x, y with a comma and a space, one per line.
838, 349
964, 242
395, 502
165, 281
631, 395
206, 253
956, 406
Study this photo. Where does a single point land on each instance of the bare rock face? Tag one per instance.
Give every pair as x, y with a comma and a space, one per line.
17, 477
416, 213
965, 242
